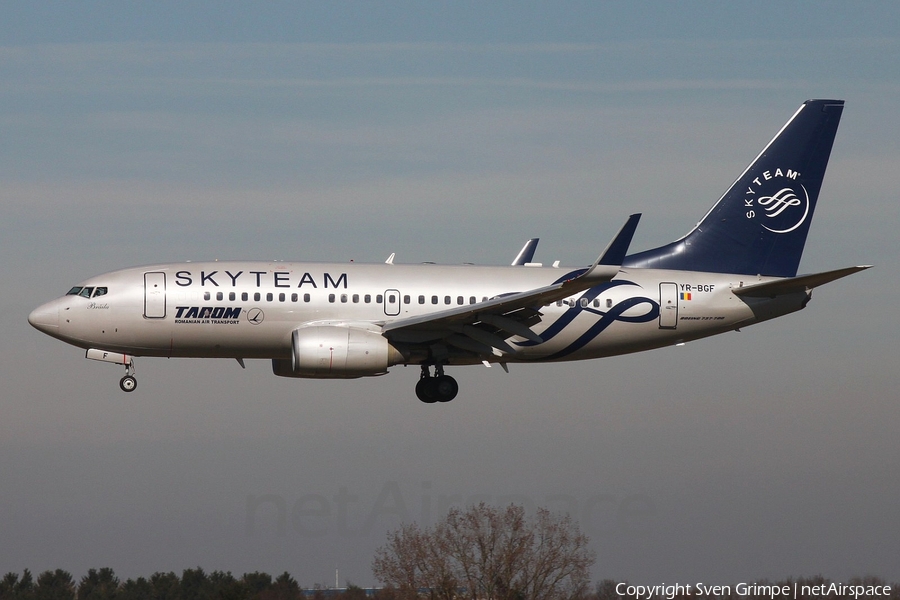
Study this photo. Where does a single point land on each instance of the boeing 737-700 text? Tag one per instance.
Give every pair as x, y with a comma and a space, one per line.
737, 267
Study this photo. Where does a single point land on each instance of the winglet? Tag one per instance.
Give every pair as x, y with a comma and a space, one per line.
526, 253
616, 250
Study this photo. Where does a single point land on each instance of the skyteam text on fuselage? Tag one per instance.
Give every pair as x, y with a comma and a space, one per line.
737, 267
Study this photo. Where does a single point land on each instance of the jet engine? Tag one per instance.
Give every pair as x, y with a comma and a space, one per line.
337, 352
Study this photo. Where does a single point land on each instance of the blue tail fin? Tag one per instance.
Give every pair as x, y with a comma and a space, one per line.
759, 226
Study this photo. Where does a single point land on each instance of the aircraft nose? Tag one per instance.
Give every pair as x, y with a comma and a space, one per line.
45, 317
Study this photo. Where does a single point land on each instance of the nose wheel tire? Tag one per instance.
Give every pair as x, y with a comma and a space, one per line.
128, 383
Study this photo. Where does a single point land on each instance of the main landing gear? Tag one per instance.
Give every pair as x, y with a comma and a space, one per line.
437, 387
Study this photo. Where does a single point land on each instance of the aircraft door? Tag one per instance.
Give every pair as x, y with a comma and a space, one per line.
154, 295
391, 303
668, 305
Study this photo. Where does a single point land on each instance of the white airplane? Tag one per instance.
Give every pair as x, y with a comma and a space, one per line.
737, 267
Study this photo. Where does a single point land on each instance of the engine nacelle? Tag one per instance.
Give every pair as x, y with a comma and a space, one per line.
336, 352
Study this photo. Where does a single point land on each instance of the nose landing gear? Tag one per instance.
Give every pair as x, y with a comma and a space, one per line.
437, 387
129, 382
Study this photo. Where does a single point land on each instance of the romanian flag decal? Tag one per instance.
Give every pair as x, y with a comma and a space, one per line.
685, 295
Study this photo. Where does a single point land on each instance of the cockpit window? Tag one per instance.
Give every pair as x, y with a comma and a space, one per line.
87, 292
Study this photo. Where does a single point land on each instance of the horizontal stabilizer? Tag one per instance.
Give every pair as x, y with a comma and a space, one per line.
803, 283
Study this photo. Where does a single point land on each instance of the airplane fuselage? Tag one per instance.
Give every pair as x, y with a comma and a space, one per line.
250, 309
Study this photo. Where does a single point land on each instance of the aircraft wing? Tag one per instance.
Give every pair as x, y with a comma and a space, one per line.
483, 327
801, 283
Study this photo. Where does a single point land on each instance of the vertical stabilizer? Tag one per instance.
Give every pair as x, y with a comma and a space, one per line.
759, 226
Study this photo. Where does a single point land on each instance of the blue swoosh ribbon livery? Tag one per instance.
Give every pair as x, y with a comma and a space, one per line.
615, 313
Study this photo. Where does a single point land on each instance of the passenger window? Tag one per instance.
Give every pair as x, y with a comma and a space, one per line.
472, 300
391, 299
281, 297
379, 299
245, 296
609, 303
306, 297
343, 297
231, 296
446, 299
206, 296
220, 296
331, 297
256, 297
421, 299
294, 297
355, 298
269, 297
100, 291
405, 299
434, 300
584, 302
367, 298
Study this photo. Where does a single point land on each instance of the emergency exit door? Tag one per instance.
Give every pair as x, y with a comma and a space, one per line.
391, 303
155, 295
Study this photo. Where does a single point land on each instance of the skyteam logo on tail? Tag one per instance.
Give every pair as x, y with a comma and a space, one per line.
777, 201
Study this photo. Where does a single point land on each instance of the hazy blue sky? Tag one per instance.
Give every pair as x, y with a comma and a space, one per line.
151, 132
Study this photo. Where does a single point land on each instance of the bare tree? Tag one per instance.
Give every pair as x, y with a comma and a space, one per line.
414, 560
487, 553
